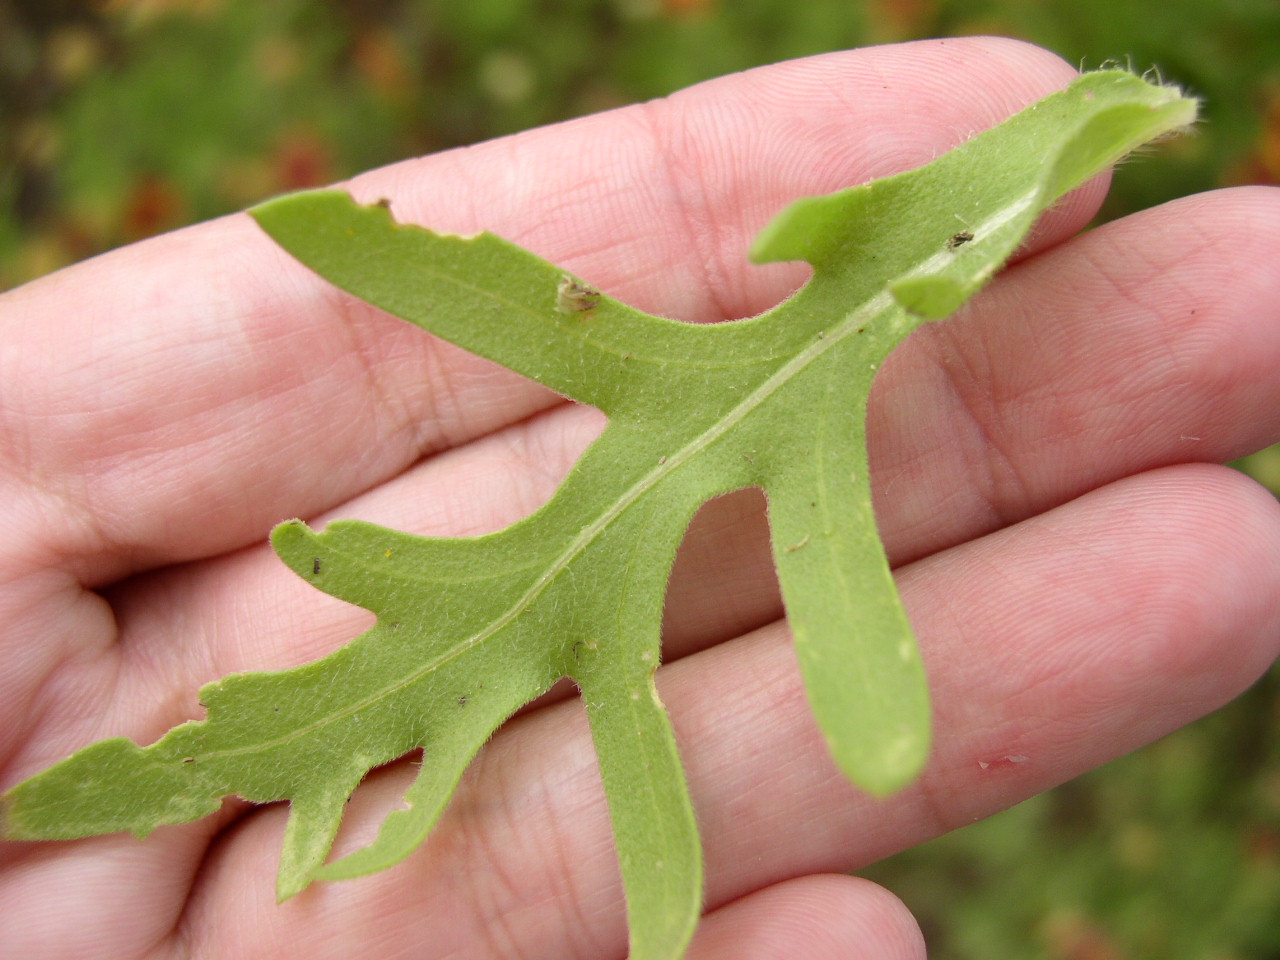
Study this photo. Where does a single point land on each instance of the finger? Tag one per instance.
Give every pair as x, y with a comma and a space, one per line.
1077, 368
827, 917
1054, 645
178, 397
97, 899
1148, 342
1151, 341
173, 630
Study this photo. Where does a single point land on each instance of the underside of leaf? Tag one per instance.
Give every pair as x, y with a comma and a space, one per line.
470, 629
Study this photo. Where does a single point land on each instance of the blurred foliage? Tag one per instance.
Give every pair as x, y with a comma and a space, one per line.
124, 118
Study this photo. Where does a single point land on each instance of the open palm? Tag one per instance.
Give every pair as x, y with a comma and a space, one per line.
1081, 578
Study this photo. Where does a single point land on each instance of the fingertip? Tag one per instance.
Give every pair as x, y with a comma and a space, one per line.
1239, 530
1197, 547
819, 917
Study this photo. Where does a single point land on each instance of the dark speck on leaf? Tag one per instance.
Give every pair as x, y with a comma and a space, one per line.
574, 297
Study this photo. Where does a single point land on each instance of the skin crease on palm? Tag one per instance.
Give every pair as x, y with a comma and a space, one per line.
1081, 576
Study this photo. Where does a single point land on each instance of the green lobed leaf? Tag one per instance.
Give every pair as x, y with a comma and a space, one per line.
470, 629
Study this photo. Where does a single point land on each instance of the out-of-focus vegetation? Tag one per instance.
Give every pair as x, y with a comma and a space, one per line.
123, 118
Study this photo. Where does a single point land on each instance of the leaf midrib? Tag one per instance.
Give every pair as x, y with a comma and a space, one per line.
854, 321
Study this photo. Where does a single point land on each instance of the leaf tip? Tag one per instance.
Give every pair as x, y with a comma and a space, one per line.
931, 297
288, 887
288, 534
784, 238
283, 209
887, 765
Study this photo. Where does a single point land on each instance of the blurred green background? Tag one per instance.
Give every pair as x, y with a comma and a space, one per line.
123, 119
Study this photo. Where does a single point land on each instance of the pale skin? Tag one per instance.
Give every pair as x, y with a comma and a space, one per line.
1082, 577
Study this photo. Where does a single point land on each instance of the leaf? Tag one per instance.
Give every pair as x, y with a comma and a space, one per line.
470, 629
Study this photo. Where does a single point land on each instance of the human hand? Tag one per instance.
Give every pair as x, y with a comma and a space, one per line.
1072, 567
